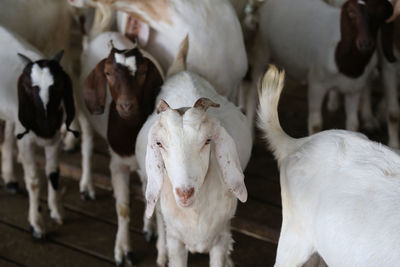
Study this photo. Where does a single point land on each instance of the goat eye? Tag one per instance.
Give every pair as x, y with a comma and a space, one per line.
208, 141
107, 73
351, 13
159, 144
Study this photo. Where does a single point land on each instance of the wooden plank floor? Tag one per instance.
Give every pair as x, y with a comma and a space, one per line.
87, 236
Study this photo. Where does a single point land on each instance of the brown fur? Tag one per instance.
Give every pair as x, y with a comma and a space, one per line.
138, 91
95, 89
359, 25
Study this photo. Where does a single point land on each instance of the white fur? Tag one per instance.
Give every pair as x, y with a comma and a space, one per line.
203, 226
224, 66
306, 49
42, 78
10, 45
129, 62
340, 193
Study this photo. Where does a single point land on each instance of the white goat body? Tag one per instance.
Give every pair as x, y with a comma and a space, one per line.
306, 49
204, 226
340, 192
208, 23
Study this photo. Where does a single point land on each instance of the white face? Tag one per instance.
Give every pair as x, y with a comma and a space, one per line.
43, 79
184, 142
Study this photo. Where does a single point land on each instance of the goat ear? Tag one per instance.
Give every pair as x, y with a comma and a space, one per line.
229, 163
387, 39
25, 107
68, 99
204, 103
155, 173
137, 30
58, 56
162, 106
95, 89
26, 60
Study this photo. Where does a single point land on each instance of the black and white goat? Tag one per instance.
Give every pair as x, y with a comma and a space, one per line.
35, 112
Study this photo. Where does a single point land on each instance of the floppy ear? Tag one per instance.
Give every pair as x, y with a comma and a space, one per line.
229, 163
95, 89
155, 173
152, 86
25, 107
387, 39
68, 99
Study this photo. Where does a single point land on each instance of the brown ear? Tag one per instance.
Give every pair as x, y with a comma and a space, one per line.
95, 89
152, 86
387, 39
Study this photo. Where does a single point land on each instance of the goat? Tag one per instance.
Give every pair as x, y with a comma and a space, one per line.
134, 79
258, 56
390, 81
163, 24
49, 32
35, 111
340, 192
389, 71
329, 55
192, 158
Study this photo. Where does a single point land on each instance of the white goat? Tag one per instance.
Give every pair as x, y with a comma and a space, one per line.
34, 109
307, 38
165, 23
120, 85
340, 192
192, 159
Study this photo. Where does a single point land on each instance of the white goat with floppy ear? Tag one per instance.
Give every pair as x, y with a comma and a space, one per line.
191, 156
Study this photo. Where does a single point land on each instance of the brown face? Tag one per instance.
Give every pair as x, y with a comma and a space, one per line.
360, 22
126, 75
130, 77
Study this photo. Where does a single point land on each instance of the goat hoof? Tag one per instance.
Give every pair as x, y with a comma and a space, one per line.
57, 219
130, 258
149, 236
12, 187
85, 195
37, 234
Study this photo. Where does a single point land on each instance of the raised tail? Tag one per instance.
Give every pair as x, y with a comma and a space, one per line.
268, 121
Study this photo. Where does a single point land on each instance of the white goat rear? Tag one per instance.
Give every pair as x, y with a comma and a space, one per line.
340, 192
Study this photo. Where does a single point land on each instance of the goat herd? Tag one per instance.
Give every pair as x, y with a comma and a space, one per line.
159, 80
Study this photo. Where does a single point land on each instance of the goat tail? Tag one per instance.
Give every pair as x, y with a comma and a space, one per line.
269, 92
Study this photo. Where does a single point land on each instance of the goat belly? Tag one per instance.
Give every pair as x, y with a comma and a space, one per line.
122, 133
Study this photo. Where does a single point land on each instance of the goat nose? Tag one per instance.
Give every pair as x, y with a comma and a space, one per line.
366, 45
126, 106
185, 194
